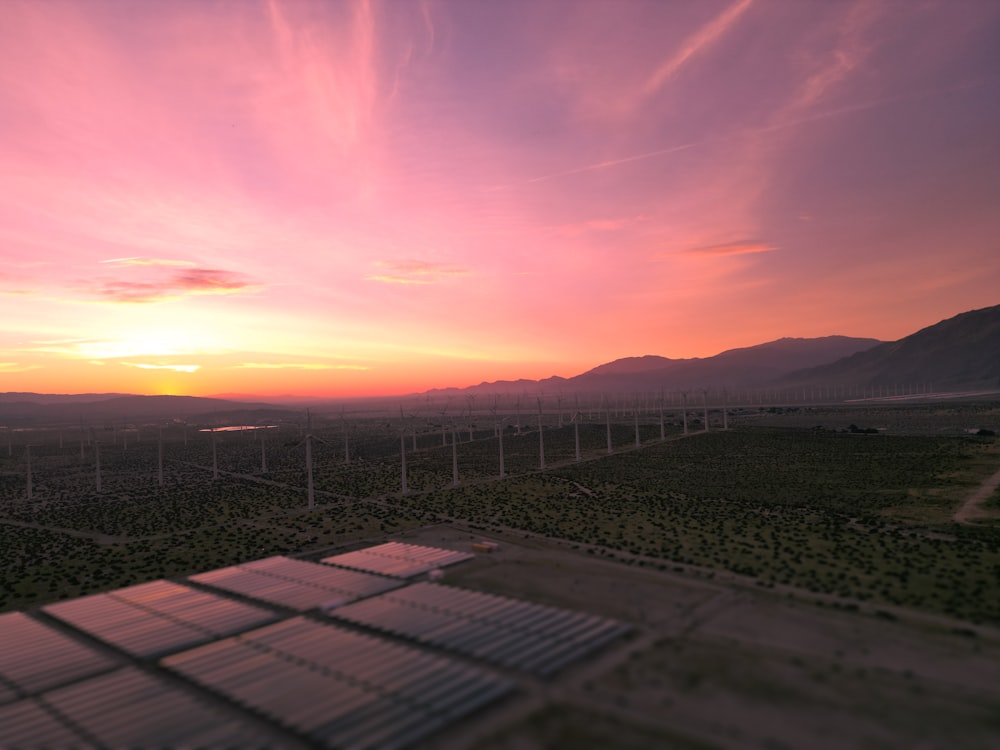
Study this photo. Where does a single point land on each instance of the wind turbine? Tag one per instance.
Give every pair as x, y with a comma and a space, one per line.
444, 430
472, 400
215, 457
725, 409
27, 458
704, 395
454, 456
576, 434
635, 414
263, 450
663, 434
607, 420
97, 459
347, 448
684, 395
541, 438
159, 457
402, 460
308, 439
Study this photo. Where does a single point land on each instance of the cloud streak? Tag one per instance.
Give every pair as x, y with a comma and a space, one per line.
180, 284
296, 366
415, 272
175, 368
743, 247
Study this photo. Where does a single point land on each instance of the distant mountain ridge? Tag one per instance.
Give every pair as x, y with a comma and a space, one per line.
743, 367
962, 352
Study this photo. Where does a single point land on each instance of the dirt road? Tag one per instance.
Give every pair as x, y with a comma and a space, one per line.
973, 507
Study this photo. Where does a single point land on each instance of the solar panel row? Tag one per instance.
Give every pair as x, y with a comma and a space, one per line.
125, 708
158, 618
398, 559
530, 637
296, 584
340, 688
35, 657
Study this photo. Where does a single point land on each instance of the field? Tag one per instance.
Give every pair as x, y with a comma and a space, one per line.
864, 517
797, 580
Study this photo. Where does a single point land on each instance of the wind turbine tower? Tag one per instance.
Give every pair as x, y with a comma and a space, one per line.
503, 473
454, 456
663, 434
97, 460
607, 420
541, 438
576, 434
402, 461
684, 396
215, 457
159, 458
27, 457
635, 416
704, 396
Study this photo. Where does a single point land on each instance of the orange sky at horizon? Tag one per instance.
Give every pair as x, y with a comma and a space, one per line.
371, 198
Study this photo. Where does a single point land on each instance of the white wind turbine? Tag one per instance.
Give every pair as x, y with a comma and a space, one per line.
704, 396
635, 415
347, 448
541, 438
27, 459
97, 458
498, 429
576, 434
444, 429
684, 396
607, 421
454, 456
663, 434
471, 398
308, 440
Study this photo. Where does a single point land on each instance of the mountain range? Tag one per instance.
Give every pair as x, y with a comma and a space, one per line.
960, 353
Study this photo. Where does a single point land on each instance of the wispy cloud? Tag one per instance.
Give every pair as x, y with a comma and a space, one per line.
296, 366
175, 368
179, 284
611, 163
694, 44
140, 261
16, 367
415, 272
743, 247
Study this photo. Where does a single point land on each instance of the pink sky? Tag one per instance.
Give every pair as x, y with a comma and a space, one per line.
339, 198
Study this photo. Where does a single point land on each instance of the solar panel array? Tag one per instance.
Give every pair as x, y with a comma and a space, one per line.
338, 687
398, 559
124, 708
157, 618
530, 637
296, 584
277, 678
34, 657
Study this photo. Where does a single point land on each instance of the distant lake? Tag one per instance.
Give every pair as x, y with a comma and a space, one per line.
240, 428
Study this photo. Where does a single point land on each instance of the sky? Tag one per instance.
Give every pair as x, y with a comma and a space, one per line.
369, 198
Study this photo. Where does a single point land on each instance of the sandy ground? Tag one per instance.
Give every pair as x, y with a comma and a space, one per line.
715, 663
